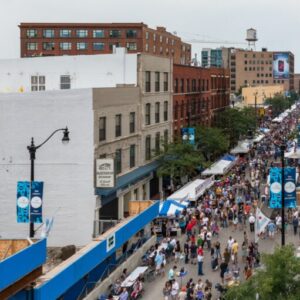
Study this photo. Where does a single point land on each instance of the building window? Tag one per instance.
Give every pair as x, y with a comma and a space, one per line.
193, 85
48, 46
81, 33
132, 122
157, 81
32, 46
161, 38
81, 46
147, 35
182, 85
182, 110
98, 33
166, 81
176, 85
132, 156
65, 82
157, 143
118, 125
147, 81
148, 147
188, 85
154, 37
154, 49
148, 114
65, 46
115, 33
65, 33
166, 111
131, 46
31, 33
112, 45
48, 33
161, 50
157, 112
131, 33
166, 137
176, 111
147, 47
98, 46
118, 161
245, 68
102, 129
38, 83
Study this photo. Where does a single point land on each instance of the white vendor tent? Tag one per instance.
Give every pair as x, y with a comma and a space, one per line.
192, 190
170, 208
220, 167
241, 148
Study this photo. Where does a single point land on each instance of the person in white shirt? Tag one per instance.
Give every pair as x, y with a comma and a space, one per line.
251, 222
230, 243
174, 290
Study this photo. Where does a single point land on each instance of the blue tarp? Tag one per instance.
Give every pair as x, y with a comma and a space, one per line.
170, 207
228, 157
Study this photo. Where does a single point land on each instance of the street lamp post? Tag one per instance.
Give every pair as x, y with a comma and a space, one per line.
282, 149
32, 150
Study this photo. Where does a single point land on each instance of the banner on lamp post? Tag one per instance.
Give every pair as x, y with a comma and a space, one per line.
289, 187
188, 135
36, 202
23, 195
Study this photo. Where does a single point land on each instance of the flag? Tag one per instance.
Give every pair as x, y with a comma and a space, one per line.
261, 222
47, 227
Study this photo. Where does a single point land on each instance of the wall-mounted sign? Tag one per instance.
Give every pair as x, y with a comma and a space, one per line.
105, 173
110, 242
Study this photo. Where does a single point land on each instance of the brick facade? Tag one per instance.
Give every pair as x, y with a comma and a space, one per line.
53, 39
198, 94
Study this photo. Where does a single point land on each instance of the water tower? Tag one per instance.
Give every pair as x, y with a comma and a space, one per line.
251, 38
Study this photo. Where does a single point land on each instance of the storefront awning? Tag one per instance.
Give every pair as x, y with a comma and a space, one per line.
129, 179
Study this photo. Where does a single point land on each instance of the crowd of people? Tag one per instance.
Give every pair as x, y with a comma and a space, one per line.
230, 204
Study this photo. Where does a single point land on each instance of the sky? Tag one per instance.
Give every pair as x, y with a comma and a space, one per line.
277, 21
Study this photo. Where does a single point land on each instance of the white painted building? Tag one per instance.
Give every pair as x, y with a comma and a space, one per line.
65, 72
67, 170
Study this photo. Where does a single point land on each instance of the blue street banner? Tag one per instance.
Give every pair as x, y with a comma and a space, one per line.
289, 187
23, 195
36, 202
188, 135
298, 135
275, 188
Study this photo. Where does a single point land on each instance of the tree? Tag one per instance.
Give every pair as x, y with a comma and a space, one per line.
279, 104
211, 141
179, 160
236, 122
278, 279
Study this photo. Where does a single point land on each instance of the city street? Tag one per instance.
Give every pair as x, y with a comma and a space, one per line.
153, 290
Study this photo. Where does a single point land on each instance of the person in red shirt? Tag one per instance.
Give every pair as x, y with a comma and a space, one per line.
200, 251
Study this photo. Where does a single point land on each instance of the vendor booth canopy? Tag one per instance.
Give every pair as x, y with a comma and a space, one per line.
170, 208
221, 167
192, 190
242, 148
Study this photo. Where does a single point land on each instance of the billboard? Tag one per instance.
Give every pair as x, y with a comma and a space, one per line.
281, 67
188, 135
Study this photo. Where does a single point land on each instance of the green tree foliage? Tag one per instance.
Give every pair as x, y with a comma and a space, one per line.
278, 279
279, 103
236, 122
179, 160
212, 142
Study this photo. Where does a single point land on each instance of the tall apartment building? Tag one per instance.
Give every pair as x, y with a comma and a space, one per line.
211, 58
198, 94
52, 39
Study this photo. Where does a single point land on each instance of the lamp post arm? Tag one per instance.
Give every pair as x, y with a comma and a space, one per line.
49, 137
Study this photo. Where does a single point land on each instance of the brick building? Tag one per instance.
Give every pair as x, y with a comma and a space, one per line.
53, 39
198, 94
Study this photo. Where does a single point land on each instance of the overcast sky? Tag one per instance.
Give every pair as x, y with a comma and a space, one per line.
277, 21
